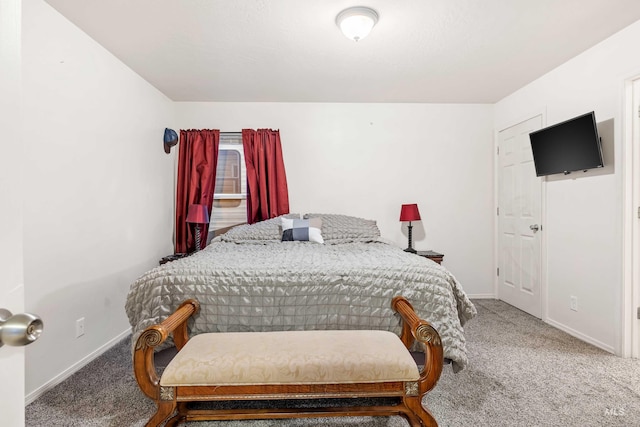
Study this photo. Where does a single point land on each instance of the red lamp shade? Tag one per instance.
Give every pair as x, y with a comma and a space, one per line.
409, 213
198, 214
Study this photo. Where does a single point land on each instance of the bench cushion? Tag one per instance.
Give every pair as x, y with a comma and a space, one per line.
291, 357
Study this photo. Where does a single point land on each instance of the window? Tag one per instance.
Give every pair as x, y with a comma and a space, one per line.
230, 193
228, 172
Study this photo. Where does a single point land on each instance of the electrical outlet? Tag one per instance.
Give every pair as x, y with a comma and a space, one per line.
573, 303
80, 327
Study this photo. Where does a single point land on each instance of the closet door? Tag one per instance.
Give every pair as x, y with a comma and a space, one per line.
519, 219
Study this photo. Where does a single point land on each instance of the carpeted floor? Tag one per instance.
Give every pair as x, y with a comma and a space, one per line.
522, 372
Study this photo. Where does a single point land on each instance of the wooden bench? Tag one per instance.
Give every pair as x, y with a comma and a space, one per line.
266, 366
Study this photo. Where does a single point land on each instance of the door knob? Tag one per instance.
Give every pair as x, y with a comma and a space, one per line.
534, 227
19, 329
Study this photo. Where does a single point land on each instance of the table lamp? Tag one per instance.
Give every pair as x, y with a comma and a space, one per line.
410, 213
198, 215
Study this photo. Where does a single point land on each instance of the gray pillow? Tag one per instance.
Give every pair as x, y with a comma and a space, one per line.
337, 228
261, 232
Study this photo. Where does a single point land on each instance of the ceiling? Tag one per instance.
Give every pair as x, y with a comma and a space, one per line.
433, 51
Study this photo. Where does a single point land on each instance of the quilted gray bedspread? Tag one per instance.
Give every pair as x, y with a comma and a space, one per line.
303, 285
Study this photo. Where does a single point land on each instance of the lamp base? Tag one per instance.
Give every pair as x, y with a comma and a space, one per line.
410, 242
197, 238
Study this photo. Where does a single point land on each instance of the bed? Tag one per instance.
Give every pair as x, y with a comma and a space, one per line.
248, 279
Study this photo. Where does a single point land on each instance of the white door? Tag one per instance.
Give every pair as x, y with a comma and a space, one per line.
11, 363
519, 225
11, 253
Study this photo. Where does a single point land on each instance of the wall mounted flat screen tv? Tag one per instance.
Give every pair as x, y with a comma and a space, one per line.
566, 147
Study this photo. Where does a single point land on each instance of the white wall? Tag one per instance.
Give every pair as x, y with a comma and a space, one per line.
368, 159
583, 228
98, 190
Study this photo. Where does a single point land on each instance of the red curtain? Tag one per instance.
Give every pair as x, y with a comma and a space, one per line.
267, 192
197, 161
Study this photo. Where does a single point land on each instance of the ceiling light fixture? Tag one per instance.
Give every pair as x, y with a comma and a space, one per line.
356, 22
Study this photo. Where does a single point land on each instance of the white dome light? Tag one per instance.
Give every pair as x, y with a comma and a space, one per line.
356, 22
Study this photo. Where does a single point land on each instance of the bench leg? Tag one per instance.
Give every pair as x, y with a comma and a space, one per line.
418, 415
180, 416
174, 421
165, 408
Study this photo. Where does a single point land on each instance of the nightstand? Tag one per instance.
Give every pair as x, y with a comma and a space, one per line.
170, 258
433, 256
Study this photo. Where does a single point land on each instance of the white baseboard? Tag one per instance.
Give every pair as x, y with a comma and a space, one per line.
580, 336
482, 296
30, 397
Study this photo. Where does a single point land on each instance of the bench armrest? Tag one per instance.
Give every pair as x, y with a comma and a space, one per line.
414, 328
144, 367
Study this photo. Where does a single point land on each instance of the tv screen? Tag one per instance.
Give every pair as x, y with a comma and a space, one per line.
572, 145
